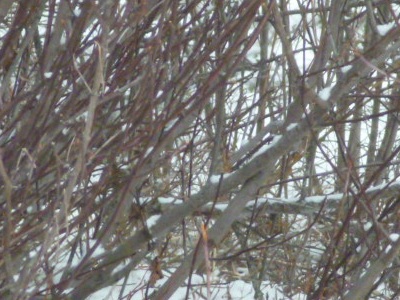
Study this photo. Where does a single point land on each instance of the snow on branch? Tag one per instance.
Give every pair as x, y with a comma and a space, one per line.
385, 28
325, 93
308, 205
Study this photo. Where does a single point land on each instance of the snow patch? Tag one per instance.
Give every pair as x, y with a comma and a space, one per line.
345, 69
171, 124
77, 11
196, 279
221, 206
394, 237
319, 199
63, 39
148, 151
166, 200
265, 148
367, 226
216, 178
152, 220
325, 93
65, 131
82, 117
385, 28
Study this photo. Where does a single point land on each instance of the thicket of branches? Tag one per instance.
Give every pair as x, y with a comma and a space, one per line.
225, 140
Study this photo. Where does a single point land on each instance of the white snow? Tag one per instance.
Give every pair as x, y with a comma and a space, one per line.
384, 186
319, 199
152, 220
367, 226
325, 93
180, 294
345, 69
265, 147
240, 289
221, 206
315, 199
216, 178
148, 151
166, 200
104, 293
82, 116
48, 74
291, 126
394, 237
77, 11
67, 291
196, 279
310, 199
171, 124
385, 28
63, 39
